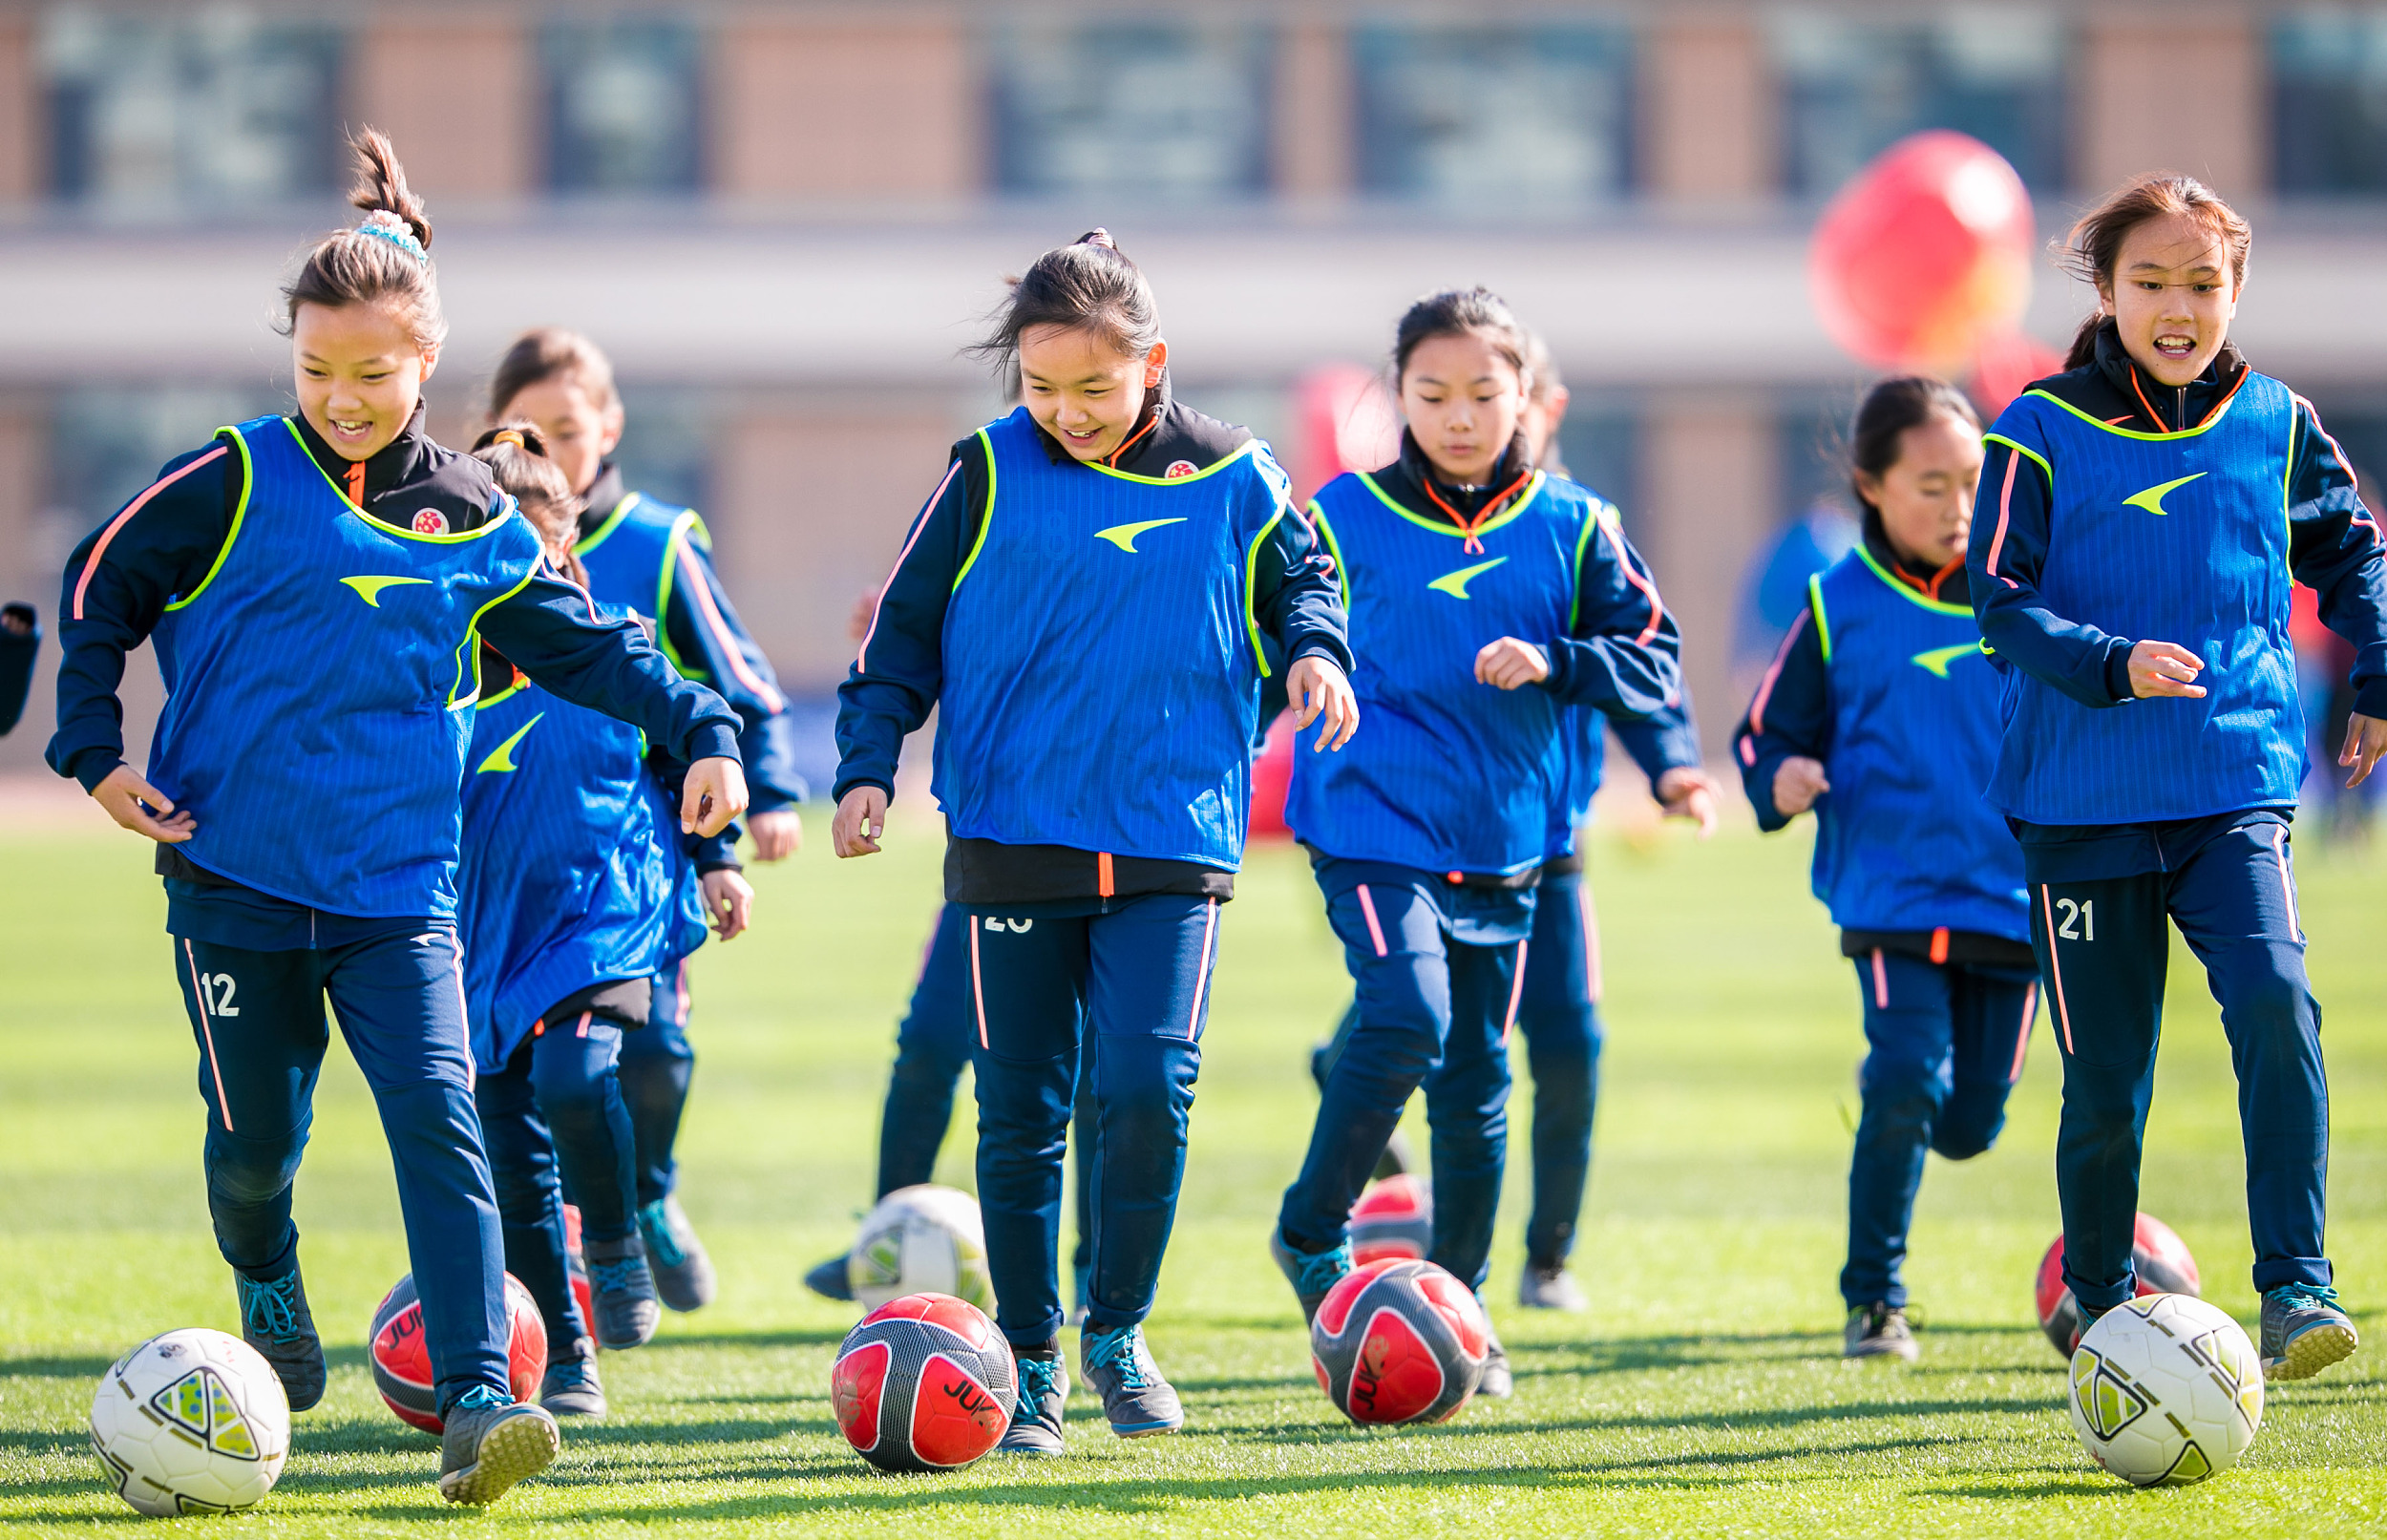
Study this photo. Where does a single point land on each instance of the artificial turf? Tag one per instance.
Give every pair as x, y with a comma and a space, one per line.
1700, 1395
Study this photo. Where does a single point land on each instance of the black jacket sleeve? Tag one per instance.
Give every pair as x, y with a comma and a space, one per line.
899, 672
18, 648
1789, 716
1665, 740
1623, 652
2335, 548
1297, 595
122, 575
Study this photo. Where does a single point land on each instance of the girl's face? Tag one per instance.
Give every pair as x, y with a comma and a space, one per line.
2171, 296
1083, 390
1926, 495
360, 374
1462, 400
580, 431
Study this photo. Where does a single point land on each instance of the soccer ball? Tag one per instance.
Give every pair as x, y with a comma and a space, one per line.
2166, 1390
2158, 1257
402, 1358
923, 1384
924, 1239
191, 1422
1399, 1341
1394, 1217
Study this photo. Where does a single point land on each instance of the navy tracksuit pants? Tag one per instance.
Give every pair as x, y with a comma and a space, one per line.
933, 1044
656, 1065
2103, 950
558, 1132
1435, 1011
399, 997
1559, 1017
1944, 1047
1124, 994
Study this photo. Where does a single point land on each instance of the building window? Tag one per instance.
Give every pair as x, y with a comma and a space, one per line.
2328, 101
1503, 117
1850, 88
213, 108
622, 111
1149, 109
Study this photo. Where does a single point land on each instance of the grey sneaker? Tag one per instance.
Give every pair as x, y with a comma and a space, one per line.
1550, 1288
2304, 1332
621, 1291
490, 1445
1036, 1421
275, 1322
1119, 1368
684, 1275
1497, 1382
571, 1388
1878, 1331
1312, 1275
828, 1278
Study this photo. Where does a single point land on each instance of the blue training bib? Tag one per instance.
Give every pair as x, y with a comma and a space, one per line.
320, 682
1903, 839
2176, 538
1102, 660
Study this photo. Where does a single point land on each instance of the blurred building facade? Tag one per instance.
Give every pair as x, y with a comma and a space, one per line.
784, 220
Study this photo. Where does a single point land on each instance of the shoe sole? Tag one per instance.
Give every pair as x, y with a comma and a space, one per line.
510, 1453
618, 1345
1145, 1430
1034, 1452
2312, 1351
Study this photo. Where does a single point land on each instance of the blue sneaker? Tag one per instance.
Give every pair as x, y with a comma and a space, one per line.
683, 1272
490, 1443
1119, 1368
1036, 1421
829, 1279
621, 1292
2304, 1332
275, 1322
1312, 1275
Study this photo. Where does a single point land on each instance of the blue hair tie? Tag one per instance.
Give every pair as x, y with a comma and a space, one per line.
392, 229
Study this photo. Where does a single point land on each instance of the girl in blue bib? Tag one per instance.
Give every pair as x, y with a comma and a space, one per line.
1880, 713
1090, 602
317, 588
2147, 510
1490, 602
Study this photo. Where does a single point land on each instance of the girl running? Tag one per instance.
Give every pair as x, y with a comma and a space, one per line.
315, 585
569, 894
1085, 600
1488, 599
1880, 714
647, 556
2154, 502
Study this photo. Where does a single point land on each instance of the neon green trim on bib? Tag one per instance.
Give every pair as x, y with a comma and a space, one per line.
1509, 515
1251, 567
1907, 593
597, 536
1823, 620
984, 524
1248, 447
2132, 432
1334, 548
505, 512
239, 514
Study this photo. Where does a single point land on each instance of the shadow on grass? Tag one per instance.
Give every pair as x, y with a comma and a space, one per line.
815, 1337
55, 1368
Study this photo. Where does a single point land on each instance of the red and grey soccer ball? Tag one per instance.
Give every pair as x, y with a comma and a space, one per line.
1393, 1218
402, 1358
1400, 1341
923, 1384
2158, 1256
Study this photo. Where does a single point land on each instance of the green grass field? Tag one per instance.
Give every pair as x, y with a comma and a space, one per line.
1701, 1395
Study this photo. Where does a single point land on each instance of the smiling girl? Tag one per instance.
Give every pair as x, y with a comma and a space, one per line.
2152, 505
1083, 602
1487, 598
315, 587
1880, 713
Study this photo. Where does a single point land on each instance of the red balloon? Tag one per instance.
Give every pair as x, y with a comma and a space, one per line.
1925, 254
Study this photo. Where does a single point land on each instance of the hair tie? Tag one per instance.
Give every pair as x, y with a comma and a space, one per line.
1098, 236
393, 229
508, 435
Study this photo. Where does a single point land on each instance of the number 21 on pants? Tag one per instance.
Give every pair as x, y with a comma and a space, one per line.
2075, 921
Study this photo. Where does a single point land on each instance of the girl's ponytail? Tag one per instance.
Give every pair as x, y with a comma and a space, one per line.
385, 260
517, 457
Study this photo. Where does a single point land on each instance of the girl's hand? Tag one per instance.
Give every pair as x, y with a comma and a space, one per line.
1688, 791
1508, 664
728, 902
1318, 688
1797, 784
778, 835
713, 794
123, 794
2366, 739
861, 818
2161, 668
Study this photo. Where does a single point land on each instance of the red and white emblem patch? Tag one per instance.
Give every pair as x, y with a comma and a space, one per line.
1178, 468
430, 522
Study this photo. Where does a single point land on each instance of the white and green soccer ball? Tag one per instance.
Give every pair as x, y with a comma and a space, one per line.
924, 1239
2166, 1390
191, 1422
